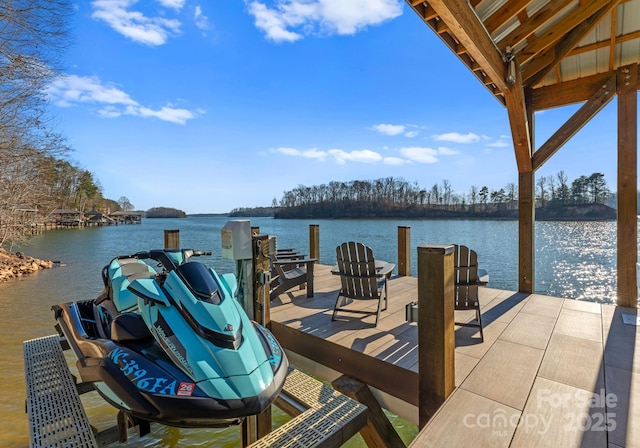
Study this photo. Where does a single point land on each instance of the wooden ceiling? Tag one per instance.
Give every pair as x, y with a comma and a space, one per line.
569, 43
539, 54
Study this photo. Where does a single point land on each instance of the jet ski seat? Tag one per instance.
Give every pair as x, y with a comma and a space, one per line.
128, 327
125, 271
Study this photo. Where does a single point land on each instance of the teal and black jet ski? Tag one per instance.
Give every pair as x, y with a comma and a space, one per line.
167, 342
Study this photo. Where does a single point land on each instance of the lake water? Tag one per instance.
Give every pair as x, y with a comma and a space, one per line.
573, 260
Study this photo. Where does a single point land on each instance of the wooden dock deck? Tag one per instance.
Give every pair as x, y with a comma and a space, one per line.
550, 372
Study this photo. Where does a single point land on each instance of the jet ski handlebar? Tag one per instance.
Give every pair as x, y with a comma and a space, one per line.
170, 259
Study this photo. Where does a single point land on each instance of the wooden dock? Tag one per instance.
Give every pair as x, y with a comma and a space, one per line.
551, 371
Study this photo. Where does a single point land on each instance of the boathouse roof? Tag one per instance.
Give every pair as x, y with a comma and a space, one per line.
539, 54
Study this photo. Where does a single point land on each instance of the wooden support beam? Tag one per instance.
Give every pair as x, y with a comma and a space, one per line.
517, 111
404, 250
465, 25
396, 381
436, 338
257, 426
627, 186
590, 109
262, 284
569, 92
379, 432
526, 217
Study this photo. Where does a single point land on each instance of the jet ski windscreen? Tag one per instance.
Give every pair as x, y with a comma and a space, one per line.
200, 281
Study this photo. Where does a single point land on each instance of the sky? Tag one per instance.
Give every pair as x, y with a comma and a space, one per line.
207, 106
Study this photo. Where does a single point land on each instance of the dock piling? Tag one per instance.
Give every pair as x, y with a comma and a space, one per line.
404, 251
436, 338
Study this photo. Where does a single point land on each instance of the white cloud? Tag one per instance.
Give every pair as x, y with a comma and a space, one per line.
175, 4
456, 137
170, 114
362, 156
447, 151
201, 20
420, 154
66, 90
272, 23
110, 112
320, 17
71, 90
503, 142
389, 129
134, 24
339, 156
412, 134
396, 161
306, 154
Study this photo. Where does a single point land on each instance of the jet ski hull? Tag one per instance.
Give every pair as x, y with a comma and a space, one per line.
131, 369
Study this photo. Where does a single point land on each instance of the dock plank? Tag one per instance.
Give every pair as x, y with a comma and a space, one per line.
534, 345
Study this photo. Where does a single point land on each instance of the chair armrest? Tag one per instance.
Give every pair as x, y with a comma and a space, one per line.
385, 269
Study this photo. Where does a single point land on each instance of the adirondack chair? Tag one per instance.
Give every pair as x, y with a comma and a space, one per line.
466, 282
360, 278
291, 273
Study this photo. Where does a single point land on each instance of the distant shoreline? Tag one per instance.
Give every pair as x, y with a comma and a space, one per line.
587, 212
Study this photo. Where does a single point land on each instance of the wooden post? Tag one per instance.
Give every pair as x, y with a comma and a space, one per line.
172, 239
526, 240
436, 338
379, 432
314, 241
627, 253
262, 279
255, 230
404, 253
255, 427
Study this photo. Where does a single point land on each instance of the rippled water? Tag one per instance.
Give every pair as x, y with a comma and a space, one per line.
574, 260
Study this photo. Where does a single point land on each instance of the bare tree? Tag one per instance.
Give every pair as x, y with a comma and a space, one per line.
33, 34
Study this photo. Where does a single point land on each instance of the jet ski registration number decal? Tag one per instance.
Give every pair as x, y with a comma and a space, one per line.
138, 376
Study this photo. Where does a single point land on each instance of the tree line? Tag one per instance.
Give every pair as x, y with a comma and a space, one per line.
35, 170
393, 196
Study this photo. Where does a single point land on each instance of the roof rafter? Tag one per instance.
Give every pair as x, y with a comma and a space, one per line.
466, 27
584, 11
505, 13
544, 63
533, 24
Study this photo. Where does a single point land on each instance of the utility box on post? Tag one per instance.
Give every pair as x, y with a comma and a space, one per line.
236, 240
237, 245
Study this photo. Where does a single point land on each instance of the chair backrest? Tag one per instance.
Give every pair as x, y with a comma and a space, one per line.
357, 268
465, 278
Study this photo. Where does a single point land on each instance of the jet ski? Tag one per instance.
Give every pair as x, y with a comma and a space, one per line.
167, 342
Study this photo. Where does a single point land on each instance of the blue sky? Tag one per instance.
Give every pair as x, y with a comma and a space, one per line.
210, 105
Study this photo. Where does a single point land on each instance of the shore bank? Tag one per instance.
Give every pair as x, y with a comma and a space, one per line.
17, 264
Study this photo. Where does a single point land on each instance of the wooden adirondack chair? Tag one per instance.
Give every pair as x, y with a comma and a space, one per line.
466, 282
360, 278
291, 273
